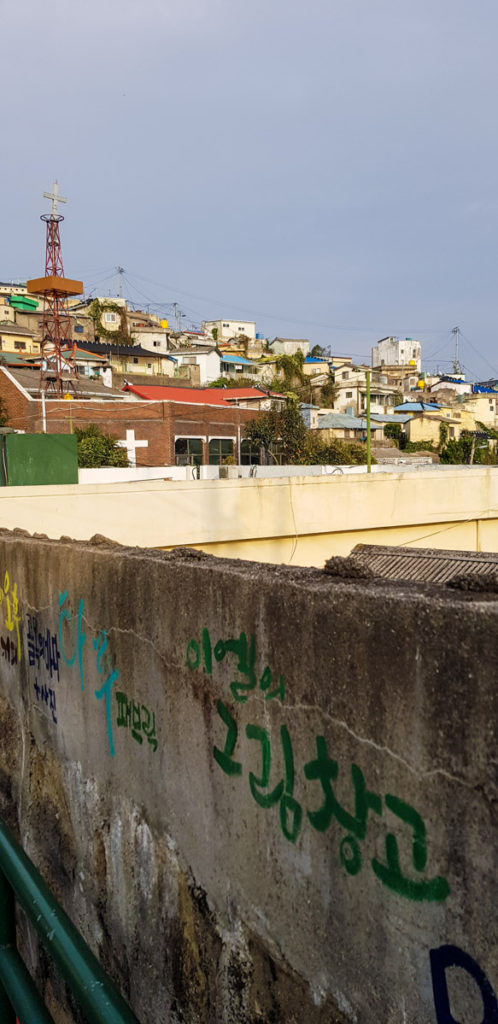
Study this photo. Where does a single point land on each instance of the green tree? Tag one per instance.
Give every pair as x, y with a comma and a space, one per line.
287, 432
291, 369
264, 432
444, 432
95, 448
240, 381
4, 416
329, 392
393, 430
459, 452
293, 433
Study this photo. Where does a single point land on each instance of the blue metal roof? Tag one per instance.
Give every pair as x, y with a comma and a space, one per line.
342, 421
382, 417
418, 407
236, 359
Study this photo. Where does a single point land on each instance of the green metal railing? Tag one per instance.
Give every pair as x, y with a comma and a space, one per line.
93, 991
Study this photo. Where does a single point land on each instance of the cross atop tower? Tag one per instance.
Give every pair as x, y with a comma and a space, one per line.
55, 197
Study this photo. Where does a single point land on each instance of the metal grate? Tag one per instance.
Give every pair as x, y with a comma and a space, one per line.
424, 564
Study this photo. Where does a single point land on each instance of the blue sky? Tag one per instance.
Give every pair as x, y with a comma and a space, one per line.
326, 168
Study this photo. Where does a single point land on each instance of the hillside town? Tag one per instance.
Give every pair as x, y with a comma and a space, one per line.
249, 513
204, 385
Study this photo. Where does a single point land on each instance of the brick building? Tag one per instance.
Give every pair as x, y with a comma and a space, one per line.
156, 433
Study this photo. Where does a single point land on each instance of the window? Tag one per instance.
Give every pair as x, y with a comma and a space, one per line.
249, 455
188, 451
189, 361
349, 394
220, 448
135, 359
110, 318
345, 375
226, 325
20, 346
452, 431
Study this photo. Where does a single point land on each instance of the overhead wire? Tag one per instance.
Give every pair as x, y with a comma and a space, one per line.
478, 353
269, 316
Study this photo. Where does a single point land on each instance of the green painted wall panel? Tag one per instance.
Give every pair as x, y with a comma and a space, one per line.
41, 459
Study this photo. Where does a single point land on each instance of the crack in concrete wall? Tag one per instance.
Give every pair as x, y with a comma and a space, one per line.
252, 860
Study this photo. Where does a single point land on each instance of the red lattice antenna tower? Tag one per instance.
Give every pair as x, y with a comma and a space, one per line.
58, 365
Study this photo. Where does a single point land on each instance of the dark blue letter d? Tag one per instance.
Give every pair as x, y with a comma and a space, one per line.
452, 956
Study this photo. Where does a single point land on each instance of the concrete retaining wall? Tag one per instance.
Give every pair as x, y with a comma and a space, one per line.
299, 520
263, 794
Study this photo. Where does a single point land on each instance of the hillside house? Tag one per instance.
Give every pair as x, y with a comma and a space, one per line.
158, 427
289, 346
351, 393
335, 426
393, 352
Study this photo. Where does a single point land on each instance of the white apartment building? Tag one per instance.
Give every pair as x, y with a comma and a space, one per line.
227, 329
351, 394
397, 352
206, 358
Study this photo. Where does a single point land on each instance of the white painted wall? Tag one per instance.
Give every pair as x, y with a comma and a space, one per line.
397, 352
208, 363
231, 328
299, 520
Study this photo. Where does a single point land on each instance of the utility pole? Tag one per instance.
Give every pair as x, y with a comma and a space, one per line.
369, 456
456, 365
175, 307
120, 271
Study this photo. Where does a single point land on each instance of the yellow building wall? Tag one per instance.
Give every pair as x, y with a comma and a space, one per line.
427, 427
483, 408
423, 428
295, 520
30, 346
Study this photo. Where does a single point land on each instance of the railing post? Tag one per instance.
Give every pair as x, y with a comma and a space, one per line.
7, 940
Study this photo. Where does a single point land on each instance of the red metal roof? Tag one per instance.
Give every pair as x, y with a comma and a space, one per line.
162, 393
203, 396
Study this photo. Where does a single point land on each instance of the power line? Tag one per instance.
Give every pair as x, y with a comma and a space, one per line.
273, 316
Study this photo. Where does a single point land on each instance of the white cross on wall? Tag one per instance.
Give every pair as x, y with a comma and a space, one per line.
131, 446
55, 197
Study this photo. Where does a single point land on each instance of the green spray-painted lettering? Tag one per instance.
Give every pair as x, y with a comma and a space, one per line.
224, 757
391, 874
324, 770
200, 653
137, 718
